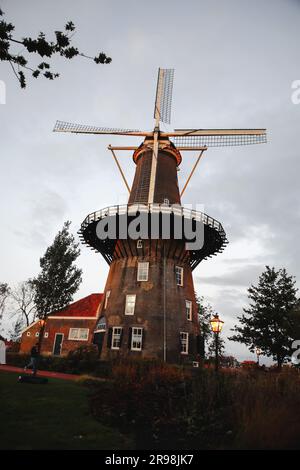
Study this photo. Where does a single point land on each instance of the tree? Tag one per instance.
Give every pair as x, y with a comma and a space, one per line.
4, 293
205, 313
212, 346
24, 305
59, 278
269, 322
62, 45
16, 331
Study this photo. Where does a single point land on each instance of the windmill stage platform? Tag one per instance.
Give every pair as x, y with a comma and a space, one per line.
162, 224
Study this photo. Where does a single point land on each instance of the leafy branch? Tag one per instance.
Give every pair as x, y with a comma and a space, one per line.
62, 45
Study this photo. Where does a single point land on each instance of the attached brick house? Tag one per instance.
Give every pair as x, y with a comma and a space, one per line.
66, 329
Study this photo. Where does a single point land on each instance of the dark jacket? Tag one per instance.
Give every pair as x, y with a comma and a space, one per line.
34, 352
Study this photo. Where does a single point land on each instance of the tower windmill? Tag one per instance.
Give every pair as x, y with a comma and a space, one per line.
149, 307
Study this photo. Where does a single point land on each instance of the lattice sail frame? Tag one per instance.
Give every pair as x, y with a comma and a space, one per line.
164, 93
218, 140
62, 126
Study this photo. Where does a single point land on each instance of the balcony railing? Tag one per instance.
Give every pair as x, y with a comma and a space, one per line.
133, 209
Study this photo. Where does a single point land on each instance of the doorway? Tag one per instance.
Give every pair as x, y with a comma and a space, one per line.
58, 344
99, 334
98, 340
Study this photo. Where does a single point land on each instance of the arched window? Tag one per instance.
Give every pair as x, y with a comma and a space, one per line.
101, 325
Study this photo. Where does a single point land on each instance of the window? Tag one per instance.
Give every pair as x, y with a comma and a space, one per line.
46, 335
116, 337
166, 201
184, 341
137, 339
130, 304
139, 244
101, 325
188, 307
79, 334
28, 333
37, 334
143, 269
107, 295
179, 275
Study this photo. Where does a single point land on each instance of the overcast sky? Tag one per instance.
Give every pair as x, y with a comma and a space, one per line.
234, 65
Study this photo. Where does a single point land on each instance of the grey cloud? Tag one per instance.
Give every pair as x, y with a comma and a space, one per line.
235, 277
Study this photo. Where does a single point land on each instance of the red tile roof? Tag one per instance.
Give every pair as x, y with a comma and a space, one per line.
86, 307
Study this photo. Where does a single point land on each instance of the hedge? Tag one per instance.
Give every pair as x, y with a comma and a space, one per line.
67, 365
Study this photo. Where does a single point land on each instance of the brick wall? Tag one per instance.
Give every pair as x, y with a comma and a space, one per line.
54, 326
149, 308
29, 338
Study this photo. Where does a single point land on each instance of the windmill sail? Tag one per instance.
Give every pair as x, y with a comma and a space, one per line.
164, 91
61, 126
217, 137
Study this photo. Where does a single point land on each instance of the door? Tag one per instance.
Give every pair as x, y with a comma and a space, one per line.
58, 344
98, 340
99, 334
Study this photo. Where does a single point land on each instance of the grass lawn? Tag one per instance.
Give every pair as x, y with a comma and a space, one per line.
51, 416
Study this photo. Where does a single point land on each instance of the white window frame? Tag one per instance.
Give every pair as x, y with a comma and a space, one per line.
107, 295
28, 333
179, 272
143, 271
77, 337
136, 339
46, 334
116, 336
184, 342
37, 334
139, 244
130, 304
189, 310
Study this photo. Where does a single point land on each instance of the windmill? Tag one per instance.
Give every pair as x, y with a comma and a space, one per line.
149, 307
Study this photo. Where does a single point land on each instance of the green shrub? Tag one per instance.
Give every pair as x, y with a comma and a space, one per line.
167, 407
16, 359
87, 352
144, 397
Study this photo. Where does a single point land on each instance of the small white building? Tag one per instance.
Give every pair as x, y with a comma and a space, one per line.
2, 352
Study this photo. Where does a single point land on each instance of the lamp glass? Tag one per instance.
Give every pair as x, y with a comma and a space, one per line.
216, 324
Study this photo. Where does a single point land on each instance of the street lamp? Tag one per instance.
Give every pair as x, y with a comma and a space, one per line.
216, 326
258, 352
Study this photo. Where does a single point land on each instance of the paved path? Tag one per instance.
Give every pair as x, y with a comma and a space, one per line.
40, 373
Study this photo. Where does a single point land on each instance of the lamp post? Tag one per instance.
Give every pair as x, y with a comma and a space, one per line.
258, 352
216, 326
